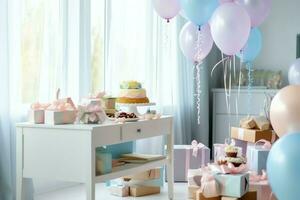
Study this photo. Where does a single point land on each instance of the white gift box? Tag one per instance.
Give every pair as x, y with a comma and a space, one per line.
37, 116
60, 117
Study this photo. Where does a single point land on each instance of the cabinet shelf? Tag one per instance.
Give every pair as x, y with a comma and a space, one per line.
129, 169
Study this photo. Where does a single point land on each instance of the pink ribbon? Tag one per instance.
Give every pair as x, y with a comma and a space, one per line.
196, 146
228, 169
96, 96
209, 186
265, 144
60, 106
231, 169
39, 106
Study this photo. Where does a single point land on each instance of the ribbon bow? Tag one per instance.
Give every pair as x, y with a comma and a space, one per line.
39, 106
265, 144
196, 146
231, 169
209, 186
96, 96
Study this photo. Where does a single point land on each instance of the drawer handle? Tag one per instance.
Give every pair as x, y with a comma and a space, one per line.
139, 130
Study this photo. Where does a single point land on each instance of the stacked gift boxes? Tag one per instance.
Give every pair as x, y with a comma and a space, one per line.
219, 182
141, 184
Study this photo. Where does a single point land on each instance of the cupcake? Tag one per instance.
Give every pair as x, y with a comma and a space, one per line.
231, 151
235, 161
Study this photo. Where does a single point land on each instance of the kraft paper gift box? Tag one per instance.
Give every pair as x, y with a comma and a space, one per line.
192, 190
257, 158
138, 191
184, 160
252, 135
147, 175
120, 191
233, 185
200, 196
251, 195
148, 182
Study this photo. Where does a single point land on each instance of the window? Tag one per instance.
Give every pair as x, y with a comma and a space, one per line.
40, 46
98, 8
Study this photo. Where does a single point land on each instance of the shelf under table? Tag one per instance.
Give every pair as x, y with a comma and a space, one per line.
129, 169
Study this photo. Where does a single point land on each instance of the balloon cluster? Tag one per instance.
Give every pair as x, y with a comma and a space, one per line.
231, 24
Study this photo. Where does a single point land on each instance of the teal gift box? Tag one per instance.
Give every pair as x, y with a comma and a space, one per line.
257, 157
233, 185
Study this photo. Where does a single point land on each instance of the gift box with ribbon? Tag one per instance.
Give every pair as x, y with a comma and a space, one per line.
257, 155
233, 181
37, 112
60, 111
91, 111
187, 157
252, 135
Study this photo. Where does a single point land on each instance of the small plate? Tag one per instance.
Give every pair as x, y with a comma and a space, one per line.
125, 120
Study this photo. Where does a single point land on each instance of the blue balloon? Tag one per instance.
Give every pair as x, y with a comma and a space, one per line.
199, 11
253, 46
283, 167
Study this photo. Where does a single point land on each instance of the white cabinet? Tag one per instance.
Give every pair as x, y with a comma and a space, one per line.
68, 152
239, 107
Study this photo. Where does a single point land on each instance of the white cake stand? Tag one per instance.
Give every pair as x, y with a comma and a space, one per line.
132, 107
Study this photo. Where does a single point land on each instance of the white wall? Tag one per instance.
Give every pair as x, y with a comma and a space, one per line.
279, 36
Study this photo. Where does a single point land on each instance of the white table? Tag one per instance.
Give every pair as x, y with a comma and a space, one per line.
67, 152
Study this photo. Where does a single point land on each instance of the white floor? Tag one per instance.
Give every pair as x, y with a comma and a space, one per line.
78, 193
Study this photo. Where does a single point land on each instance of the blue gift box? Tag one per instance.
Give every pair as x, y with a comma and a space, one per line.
257, 158
233, 185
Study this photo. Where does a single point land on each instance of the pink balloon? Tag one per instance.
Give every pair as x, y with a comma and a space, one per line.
167, 9
230, 28
194, 43
225, 1
258, 10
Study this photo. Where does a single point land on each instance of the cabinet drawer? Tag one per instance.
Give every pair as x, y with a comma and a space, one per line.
106, 135
144, 129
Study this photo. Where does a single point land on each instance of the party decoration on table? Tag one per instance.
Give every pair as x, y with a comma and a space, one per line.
199, 11
91, 111
167, 9
230, 28
285, 110
258, 10
61, 111
37, 112
294, 73
283, 167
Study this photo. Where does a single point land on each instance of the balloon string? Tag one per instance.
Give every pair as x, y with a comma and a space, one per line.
250, 84
199, 46
216, 65
239, 90
198, 91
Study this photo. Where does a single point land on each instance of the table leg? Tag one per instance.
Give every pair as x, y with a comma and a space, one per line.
19, 164
170, 165
91, 166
